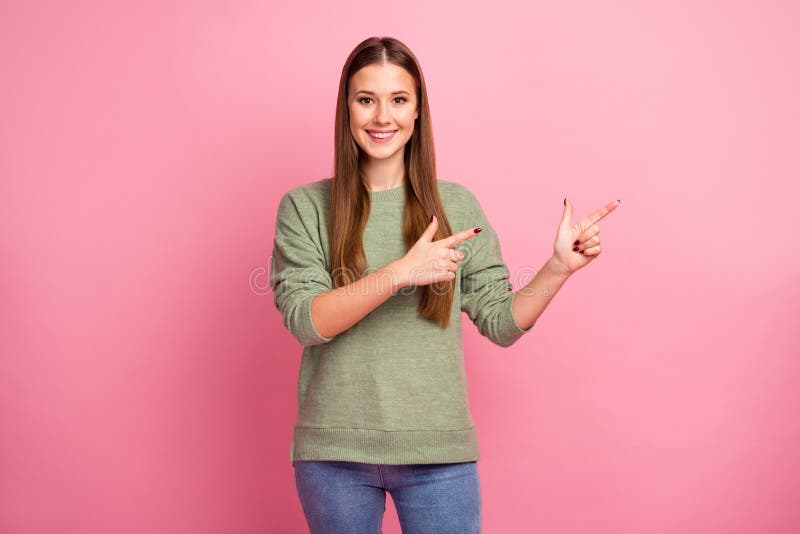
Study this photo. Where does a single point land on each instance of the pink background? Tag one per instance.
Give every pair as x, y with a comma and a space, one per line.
147, 384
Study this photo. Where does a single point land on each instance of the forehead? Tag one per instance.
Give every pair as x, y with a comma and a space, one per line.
382, 79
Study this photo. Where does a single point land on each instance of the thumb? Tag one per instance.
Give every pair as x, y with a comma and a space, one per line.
566, 218
430, 231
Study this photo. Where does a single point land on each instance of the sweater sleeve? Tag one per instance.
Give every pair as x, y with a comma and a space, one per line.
486, 291
297, 270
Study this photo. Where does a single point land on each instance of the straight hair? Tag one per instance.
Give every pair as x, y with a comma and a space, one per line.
350, 199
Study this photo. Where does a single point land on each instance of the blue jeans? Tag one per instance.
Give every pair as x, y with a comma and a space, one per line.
350, 497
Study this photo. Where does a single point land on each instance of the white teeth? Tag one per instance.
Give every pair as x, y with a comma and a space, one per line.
381, 135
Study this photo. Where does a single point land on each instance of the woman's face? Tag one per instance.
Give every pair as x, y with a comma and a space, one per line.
382, 98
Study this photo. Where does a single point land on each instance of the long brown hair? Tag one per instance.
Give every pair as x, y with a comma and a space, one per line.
350, 199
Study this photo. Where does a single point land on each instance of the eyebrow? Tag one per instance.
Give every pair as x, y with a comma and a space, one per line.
394, 93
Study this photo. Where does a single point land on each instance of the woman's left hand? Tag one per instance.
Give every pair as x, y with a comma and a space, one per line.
578, 244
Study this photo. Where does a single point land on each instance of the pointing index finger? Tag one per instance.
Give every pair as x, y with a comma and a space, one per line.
599, 213
456, 239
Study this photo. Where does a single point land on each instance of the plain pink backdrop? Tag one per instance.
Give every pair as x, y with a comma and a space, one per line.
147, 384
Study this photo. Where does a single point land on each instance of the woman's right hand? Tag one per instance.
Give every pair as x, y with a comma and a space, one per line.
428, 262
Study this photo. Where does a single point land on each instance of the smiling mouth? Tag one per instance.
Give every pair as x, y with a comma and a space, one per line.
381, 136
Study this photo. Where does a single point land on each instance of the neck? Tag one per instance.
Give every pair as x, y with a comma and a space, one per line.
380, 175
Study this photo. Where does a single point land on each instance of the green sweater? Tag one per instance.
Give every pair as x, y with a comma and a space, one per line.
391, 389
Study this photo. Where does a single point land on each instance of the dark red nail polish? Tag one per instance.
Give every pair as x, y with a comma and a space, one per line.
565, 201
431, 220
478, 230
575, 249
576, 242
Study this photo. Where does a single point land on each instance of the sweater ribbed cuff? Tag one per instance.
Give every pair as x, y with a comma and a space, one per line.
508, 328
309, 335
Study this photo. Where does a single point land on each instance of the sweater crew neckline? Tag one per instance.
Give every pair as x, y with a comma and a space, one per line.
388, 195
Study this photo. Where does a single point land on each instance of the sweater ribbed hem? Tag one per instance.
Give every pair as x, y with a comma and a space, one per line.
385, 447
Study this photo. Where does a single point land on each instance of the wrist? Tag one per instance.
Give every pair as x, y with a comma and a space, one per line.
556, 268
393, 272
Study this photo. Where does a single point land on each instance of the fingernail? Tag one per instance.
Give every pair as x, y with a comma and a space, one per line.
618, 200
576, 242
565, 201
575, 249
431, 220
478, 230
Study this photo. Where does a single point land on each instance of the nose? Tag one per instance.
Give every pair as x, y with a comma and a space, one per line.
382, 113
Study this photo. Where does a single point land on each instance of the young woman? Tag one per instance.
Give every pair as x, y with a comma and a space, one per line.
371, 270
